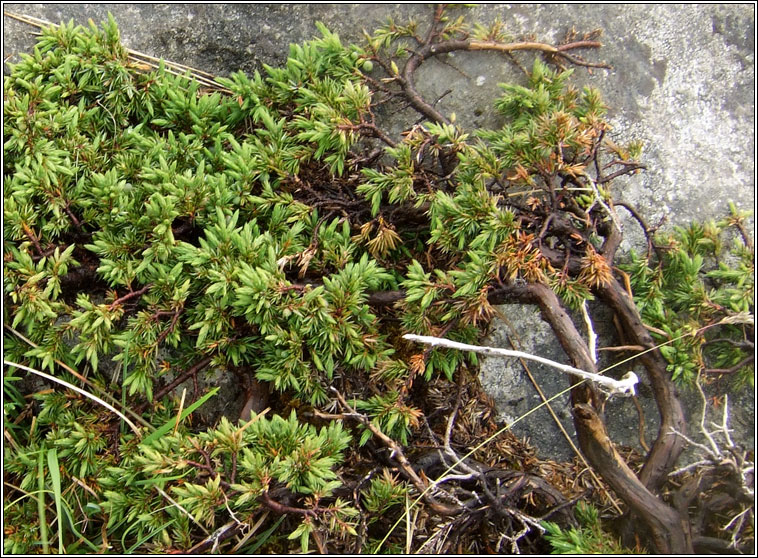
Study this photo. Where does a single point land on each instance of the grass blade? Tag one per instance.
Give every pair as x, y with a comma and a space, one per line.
41, 504
163, 430
266, 535
81, 378
55, 476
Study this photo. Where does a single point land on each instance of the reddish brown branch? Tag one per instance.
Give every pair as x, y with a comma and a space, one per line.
670, 532
33, 237
579, 44
370, 130
631, 209
129, 296
49, 252
233, 476
731, 370
628, 169
399, 456
281, 509
213, 473
746, 345
570, 339
71, 216
745, 236
174, 320
579, 62
190, 373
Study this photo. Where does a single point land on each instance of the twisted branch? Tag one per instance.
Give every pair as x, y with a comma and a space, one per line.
433, 49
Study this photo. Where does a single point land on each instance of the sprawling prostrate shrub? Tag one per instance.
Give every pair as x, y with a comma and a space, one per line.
265, 226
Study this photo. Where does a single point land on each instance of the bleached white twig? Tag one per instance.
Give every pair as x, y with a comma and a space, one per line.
599, 200
449, 450
736, 517
740, 518
734, 459
526, 524
592, 338
724, 422
625, 386
713, 455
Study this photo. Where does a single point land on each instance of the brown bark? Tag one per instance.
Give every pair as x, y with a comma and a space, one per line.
670, 532
668, 446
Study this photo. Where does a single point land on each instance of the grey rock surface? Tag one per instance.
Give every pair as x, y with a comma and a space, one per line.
683, 82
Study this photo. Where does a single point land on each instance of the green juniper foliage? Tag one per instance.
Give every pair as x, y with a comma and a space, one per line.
166, 227
687, 288
589, 538
268, 453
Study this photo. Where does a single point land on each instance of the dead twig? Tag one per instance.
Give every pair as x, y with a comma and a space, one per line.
624, 386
